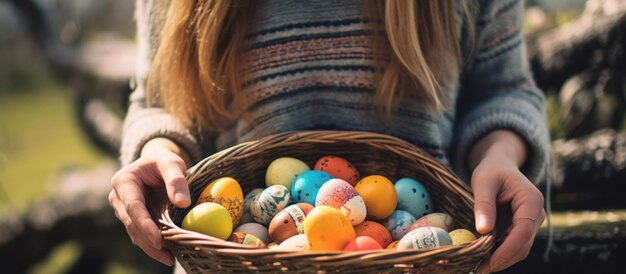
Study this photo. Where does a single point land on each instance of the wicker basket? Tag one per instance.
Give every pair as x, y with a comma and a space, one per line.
372, 154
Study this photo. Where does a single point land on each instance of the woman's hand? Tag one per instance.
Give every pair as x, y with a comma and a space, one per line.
497, 182
143, 187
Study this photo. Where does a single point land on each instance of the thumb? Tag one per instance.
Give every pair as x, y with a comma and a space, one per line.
485, 187
172, 171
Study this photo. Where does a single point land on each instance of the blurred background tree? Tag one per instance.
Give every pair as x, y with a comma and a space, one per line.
66, 70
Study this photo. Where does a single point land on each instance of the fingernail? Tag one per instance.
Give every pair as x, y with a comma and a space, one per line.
483, 222
180, 198
170, 261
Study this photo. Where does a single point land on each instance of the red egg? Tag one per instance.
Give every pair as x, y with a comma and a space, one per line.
338, 167
289, 222
374, 230
363, 243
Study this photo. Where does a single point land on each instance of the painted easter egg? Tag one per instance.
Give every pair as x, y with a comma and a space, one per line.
437, 219
393, 245
341, 195
398, 223
271, 201
461, 236
424, 237
273, 245
289, 222
375, 230
247, 200
283, 171
361, 243
379, 195
339, 168
209, 218
255, 229
413, 197
328, 229
251, 196
297, 242
227, 192
246, 239
306, 186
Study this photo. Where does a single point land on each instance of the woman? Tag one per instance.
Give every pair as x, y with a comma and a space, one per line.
450, 77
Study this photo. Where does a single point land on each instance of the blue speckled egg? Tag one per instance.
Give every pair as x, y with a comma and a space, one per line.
398, 223
306, 186
424, 238
413, 197
271, 201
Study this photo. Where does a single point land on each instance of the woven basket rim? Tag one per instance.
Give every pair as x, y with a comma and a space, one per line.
175, 235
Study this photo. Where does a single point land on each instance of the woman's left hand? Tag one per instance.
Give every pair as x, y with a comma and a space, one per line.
497, 181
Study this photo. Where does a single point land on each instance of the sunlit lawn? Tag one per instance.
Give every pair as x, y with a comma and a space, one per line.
39, 136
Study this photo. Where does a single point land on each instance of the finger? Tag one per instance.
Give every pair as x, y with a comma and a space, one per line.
172, 171
131, 194
515, 247
138, 239
527, 219
484, 199
161, 255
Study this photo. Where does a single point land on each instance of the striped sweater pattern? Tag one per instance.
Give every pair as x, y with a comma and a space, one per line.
310, 65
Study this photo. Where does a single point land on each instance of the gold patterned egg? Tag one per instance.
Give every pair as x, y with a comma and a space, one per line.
227, 192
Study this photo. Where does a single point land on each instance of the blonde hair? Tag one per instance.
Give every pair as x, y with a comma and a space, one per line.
195, 74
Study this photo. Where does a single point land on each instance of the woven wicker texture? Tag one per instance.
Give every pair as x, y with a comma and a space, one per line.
372, 154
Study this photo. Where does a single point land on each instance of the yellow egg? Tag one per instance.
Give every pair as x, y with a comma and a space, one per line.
283, 171
460, 236
393, 245
328, 229
227, 192
379, 195
209, 218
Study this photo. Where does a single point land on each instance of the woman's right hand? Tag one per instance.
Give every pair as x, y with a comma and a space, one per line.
142, 188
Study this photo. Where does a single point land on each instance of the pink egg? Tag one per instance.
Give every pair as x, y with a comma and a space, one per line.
363, 243
341, 195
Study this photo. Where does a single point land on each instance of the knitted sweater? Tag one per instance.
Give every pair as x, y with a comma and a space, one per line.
309, 66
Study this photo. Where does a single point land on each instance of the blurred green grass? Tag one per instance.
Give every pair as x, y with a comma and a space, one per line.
39, 136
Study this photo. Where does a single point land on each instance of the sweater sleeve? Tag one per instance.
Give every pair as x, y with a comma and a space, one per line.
143, 123
497, 90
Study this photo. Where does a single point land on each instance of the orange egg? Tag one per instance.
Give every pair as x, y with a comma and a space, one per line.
363, 243
289, 222
339, 168
227, 192
328, 229
379, 195
375, 230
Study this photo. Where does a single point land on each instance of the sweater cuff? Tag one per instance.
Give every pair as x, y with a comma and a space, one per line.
530, 126
154, 123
